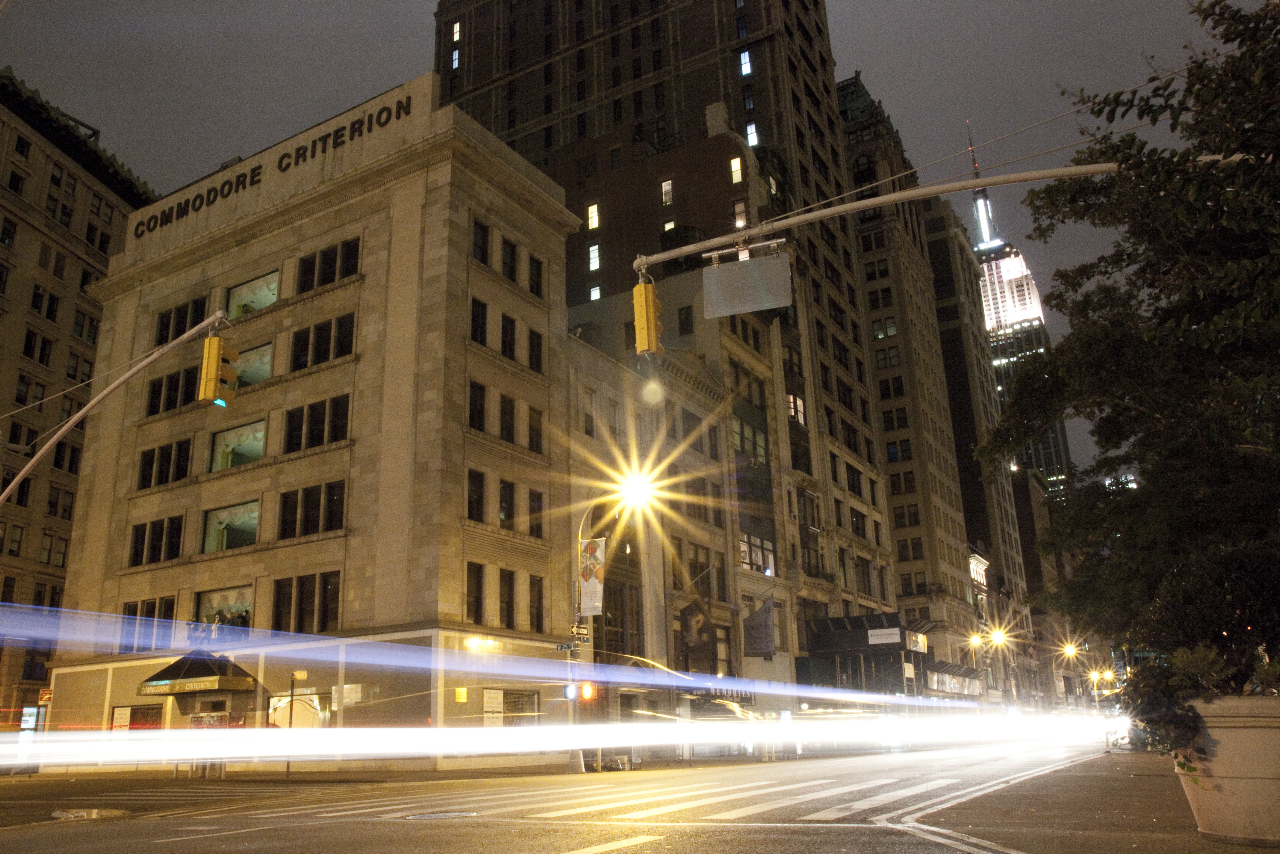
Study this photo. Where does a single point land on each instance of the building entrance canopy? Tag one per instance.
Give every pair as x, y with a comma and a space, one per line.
196, 672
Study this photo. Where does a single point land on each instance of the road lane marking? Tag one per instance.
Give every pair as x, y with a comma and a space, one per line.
456, 801
797, 799
614, 846
527, 805
716, 800
661, 797
875, 801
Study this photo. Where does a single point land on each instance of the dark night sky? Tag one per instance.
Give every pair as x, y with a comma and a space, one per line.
179, 86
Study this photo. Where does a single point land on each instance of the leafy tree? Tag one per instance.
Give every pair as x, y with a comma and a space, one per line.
1174, 356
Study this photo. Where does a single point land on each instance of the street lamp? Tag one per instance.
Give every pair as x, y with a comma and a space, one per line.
294, 676
633, 491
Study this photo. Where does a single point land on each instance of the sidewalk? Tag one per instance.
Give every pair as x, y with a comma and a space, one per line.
1117, 802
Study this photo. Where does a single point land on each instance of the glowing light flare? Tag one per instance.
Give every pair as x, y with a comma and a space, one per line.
994, 732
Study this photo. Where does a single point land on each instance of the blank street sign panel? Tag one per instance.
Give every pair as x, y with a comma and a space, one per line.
744, 286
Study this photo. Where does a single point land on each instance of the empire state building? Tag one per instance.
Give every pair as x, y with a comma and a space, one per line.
1015, 324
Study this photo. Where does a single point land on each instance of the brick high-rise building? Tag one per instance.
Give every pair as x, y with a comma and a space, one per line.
63, 206
667, 122
935, 591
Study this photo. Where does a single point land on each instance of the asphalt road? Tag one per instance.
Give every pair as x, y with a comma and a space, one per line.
867, 804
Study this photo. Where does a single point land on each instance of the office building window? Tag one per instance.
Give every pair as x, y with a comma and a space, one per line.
307, 603
475, 495
509, 259
506, 598
535, 351
318, 344
156, 541
507, 343
535, 430
172, 322
61, 502
238, 446
147, 624
172, 391
475, 593
230, 527
476, 406
593, 257
535, 276
85, 327
312, 509
507, 504
164, 464
744, 63
535, 513
537, 619
315, 424
479, 321
480, 242
253, 295
506, 418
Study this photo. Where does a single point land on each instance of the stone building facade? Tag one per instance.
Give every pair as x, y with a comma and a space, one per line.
391, 462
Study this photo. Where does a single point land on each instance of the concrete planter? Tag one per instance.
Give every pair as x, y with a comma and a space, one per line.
1234, 791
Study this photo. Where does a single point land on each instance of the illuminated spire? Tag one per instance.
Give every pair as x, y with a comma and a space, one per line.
981, 204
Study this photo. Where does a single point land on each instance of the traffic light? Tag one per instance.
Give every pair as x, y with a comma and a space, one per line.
647, 309
217, 376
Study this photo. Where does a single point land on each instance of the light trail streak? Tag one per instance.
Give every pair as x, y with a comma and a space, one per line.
995, 732
79, 630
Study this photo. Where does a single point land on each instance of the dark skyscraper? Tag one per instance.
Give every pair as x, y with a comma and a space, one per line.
669, 122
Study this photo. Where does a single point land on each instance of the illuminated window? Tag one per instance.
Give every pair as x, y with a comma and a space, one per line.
593, 257
593, 216
753, 139
666, 192
735, 170
457, 31
456, 59
744, 61
595, 292
669, 225
740, 214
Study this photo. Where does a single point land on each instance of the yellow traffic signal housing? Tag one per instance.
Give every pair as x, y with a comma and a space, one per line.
217, 375
647, 309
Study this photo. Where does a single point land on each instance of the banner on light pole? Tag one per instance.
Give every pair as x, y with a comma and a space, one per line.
591, 577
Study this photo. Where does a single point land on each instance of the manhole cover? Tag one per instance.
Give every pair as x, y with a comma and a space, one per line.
430, 815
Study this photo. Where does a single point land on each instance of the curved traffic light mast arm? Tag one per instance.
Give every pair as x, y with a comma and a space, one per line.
642, 262
194, 332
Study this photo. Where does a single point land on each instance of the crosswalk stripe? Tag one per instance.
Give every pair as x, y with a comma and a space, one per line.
797, 799
716, 800
633, 801
875, 801
614, 846
539, 805
436, 801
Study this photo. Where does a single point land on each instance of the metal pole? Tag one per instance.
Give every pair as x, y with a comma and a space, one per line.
748, 234
217, 317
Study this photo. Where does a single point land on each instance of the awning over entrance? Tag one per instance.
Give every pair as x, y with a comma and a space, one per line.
951, 669
198, 671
